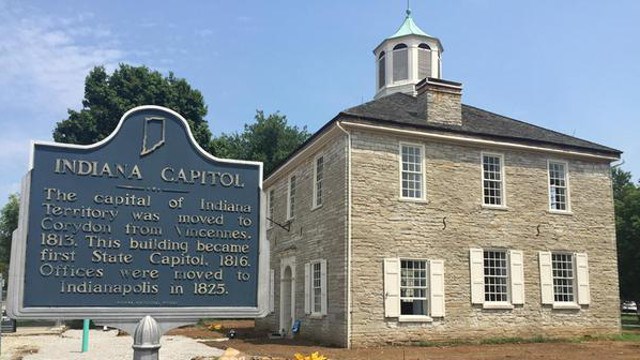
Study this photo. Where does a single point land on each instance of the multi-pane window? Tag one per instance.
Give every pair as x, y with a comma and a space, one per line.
563, 277
413, 287
492, 180
270, 199
412, 171
319, 176
381, 70
292, 198
400, 62
495, 276
316, 285
558, 186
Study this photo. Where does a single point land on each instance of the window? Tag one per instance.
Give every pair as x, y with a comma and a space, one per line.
316, 300
381, 70
270, 200
291, 205
564, 279
497, 278
413, 289
424, 61
411, 171
319, 175
492, 180
558, 194
315, 275
272, 291
400, 62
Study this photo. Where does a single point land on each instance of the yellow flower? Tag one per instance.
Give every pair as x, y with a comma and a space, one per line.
315, 356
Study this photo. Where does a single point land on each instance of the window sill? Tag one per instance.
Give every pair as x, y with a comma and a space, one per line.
415, 318
316, 207
566, 306
413, 200
316, 316
495, 207
560, 212
497, 306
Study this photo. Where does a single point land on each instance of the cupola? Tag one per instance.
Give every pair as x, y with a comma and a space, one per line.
405, 58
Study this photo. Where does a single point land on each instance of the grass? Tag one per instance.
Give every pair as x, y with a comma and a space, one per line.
627, 336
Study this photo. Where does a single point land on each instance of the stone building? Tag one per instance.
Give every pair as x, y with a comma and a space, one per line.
416, 218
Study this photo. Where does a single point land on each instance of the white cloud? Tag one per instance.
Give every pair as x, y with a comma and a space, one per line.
44, 60
43, 63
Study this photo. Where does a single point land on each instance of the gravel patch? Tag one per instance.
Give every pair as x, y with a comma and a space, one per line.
103, 345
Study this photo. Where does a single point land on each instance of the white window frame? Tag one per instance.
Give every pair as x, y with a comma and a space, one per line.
318, 182
423, 185
435, 289
565, 164
496, 255
515, 278
503, 187
270, 207
313, 284
291, 197
580, 288
409, 286
560, 288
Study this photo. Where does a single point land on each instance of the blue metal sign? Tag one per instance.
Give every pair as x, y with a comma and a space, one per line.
143, 219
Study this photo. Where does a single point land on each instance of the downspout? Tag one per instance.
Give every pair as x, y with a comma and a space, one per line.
348, 201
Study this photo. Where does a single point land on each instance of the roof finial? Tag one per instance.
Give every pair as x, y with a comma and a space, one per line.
408, 8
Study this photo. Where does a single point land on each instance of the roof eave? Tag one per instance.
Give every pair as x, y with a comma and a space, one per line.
614, 153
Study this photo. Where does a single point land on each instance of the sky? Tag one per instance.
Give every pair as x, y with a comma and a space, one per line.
571, 66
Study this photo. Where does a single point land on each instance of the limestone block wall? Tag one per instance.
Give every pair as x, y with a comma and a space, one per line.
314, 234
452, 220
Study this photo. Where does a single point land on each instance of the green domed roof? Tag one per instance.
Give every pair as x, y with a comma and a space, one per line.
408, 27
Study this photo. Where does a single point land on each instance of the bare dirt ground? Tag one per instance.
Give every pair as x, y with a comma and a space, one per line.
250, 342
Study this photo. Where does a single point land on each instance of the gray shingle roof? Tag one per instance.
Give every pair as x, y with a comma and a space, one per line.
403, 110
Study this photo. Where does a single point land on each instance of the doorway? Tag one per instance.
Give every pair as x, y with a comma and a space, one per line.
287, 295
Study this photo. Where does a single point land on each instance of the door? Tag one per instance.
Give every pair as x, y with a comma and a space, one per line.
287, 296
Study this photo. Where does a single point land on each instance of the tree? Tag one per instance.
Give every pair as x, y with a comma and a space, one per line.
627, 207
8, 223
108, 97
269, 139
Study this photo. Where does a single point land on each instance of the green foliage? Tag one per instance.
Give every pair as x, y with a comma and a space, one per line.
627, 207
630, 319
8, 223
269, 139
108, 97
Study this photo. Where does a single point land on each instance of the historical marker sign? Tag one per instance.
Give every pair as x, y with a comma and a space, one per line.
143, 222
